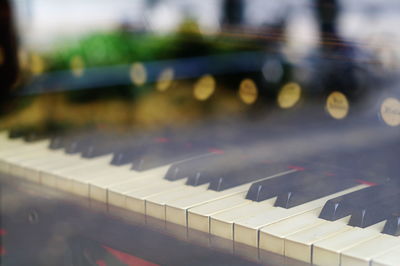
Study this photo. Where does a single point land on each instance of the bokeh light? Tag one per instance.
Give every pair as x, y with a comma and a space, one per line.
289, 95
248, 91
390, 111
165, 79
138, 74
337, 105
204, 88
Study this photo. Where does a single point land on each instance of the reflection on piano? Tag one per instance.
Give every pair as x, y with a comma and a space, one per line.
233, 145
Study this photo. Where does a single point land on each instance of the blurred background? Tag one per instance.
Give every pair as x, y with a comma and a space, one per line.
151, 63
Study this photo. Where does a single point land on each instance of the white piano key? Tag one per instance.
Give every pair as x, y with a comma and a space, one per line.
97, 187
221, 224
363, 253
7, 142
299, 245
50, 177
135, 200
28, 167
19, 152
116, 192
33, 168
199, 217
391, 258
246, 229
272, 237
3, 135
20, 147
155, 205
77, 181
106, 190
327, 251
176, 209
85, 165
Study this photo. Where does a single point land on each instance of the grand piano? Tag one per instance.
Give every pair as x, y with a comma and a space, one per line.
199, 133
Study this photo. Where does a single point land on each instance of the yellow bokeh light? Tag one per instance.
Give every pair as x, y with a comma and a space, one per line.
138, 74
204, 88
289, 95
248, 91
390, 112
77, 66
164, 80
337, 105
37, 65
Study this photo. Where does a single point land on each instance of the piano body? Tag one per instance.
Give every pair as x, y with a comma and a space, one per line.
190, 135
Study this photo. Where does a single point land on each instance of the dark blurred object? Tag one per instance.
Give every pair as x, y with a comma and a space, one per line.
232, 12
8, 53
327, 13
340, 70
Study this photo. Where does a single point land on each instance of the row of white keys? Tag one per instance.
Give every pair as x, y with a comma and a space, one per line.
97, 175
55, 168
137, 185
272, 237
391, 257
132, 194
307, 238
300, 245
222, 223
98, 187
114, 190
110, 173
247, 228
78, 180
84, 167
25, 155
28, 165
77, 176
155, 205
14, 148
198, 218
17, 158
328, 251
364, 253
176, 208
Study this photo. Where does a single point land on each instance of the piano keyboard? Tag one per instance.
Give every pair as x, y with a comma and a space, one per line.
313, 213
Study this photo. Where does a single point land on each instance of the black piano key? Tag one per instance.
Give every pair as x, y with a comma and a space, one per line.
80, 142
235, 176
126, 155
392, 225
375, 212
270, 188
106, 145
18, 132
166, 153
186, 168
77, 144
345, 205
132, 151
204, 169
58, 142
324, 186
